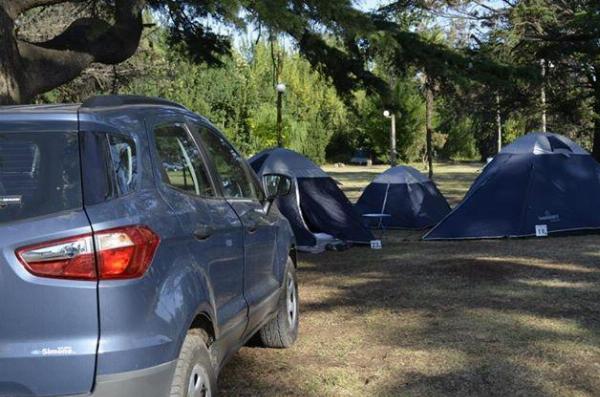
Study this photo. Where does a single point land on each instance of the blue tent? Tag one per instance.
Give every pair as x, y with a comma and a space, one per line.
540, 184
315, 206
411, 199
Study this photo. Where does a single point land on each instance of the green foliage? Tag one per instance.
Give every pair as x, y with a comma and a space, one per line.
410, 122
333, 104
191, 30
565, 37
461, 142
239, 97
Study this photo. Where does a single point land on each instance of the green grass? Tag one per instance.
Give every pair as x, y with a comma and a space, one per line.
474, 318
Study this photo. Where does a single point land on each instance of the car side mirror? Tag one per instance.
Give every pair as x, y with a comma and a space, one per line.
276, 186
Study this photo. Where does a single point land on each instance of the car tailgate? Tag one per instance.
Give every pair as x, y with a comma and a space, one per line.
48, 326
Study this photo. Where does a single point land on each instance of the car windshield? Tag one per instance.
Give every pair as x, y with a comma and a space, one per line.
39, 174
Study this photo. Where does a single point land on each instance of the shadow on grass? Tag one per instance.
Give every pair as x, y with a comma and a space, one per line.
469, 318
518, 313
479, 381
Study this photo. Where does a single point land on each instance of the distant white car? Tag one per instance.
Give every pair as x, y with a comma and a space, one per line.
172, 167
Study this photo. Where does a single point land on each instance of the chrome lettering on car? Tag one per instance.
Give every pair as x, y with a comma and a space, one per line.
54, 351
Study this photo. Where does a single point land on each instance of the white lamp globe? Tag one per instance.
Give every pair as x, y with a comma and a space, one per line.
280, 87
387, 114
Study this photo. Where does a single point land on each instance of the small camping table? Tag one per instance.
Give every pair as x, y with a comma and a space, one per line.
379, 224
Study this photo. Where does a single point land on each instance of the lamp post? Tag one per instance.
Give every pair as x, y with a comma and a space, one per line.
280, 90
390, 115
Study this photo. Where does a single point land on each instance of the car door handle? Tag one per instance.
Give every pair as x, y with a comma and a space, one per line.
203, 232
252, 228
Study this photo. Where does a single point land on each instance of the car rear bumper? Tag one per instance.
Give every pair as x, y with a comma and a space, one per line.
148, 382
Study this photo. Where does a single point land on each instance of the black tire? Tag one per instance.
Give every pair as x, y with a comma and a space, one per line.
194, 375
282, 330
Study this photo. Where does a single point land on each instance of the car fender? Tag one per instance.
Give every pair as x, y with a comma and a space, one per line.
286, 243
199, 299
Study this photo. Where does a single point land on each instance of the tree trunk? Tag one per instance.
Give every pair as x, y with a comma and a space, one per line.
429, 124
498, 123
10, 63
543, 94
596, 145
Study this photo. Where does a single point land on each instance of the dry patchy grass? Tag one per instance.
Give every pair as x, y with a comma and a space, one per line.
474, 318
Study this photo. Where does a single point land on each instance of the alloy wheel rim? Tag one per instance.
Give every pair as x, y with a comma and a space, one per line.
292, 300
198, 383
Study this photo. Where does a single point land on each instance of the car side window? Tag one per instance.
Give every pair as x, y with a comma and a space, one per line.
181, 161
236, 178
123, 158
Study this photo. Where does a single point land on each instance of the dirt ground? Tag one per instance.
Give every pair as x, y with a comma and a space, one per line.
473, 318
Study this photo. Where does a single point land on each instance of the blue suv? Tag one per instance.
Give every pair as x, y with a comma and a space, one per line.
138, 251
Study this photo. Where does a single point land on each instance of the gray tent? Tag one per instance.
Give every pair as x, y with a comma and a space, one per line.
541, 184
315, 205
410, 199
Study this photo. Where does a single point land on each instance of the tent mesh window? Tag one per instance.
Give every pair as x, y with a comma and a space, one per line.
556, 143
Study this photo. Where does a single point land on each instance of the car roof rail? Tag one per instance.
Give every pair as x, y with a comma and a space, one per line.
126, 100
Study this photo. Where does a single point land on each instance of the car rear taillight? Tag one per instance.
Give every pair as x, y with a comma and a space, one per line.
71, 258
122, 253
125, 252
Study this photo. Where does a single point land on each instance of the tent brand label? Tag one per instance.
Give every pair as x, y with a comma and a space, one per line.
541, 230
5, 201
548, 217
376, 244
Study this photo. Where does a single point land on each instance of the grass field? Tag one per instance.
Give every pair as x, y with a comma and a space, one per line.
476, 318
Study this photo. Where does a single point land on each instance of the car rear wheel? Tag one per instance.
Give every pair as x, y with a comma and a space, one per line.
282, 330
194, 374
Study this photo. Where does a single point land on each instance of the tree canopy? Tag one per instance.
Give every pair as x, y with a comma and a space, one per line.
476, 65
109, 32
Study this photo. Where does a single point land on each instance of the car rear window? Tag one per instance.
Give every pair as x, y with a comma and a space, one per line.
39, 174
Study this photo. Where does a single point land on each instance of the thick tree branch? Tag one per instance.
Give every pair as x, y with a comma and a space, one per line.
15, 8
50, 64
47, 69
347, 73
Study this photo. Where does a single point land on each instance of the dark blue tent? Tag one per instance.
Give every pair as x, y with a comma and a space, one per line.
316, 205
540, 184
411, 199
